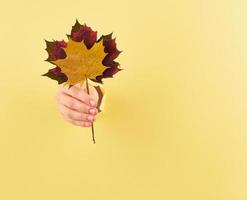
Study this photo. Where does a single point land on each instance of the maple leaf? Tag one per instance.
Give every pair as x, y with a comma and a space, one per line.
83, 34
81, 63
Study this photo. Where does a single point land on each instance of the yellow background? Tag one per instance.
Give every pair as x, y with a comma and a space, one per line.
174, 122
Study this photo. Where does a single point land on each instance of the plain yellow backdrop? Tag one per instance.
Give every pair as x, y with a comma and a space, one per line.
174, 122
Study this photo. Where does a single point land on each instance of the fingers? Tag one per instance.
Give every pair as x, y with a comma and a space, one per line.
76, 118
78, 123
80, 94
75, 104
74, 115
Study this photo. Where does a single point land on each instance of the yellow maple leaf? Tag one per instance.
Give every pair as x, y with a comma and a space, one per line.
81, 63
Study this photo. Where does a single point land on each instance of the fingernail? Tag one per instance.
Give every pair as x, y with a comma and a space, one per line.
92, 110
92, 102
90, 118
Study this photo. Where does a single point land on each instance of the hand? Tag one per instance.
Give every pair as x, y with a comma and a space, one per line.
76, 106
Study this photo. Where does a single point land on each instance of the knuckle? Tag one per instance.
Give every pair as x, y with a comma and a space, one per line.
71, 103
74, 115
81, 116
82, 124
80, 95
78, 106
82, 107
68, 114
77, 123
66, 118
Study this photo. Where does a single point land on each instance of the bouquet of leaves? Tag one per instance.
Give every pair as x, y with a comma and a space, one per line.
83, 57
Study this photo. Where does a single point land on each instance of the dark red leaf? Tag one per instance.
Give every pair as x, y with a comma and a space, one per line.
55, 50
82, 32
109, 58
57, 75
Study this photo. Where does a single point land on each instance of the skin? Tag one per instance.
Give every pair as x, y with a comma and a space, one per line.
76, 106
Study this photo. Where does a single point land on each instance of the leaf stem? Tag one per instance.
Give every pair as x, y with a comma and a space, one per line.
93, 137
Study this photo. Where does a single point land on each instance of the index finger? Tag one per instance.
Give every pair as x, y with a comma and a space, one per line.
80, 94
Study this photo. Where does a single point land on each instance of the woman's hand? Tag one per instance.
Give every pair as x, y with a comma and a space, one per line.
76, 106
